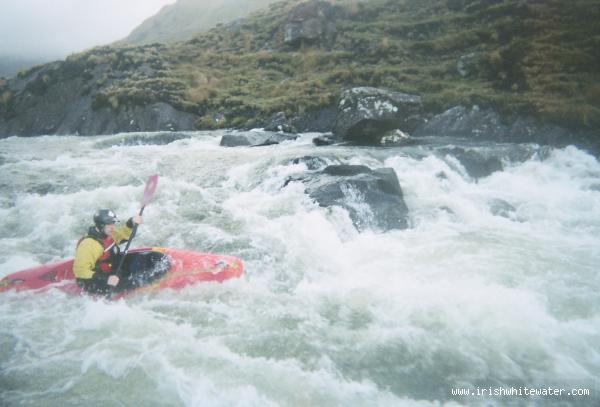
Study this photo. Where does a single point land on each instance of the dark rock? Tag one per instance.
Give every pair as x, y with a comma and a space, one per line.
487, 124
310, 23
280, 123
325, 140
71, 97
254, 138
365, 114
312, 163
346, 170
476, 163
318, 120
373, 198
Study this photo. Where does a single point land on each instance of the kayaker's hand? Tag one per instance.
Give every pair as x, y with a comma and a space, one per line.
113, 281
137, 219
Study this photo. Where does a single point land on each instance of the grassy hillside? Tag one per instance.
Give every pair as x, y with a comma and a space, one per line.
532, 57
186, 18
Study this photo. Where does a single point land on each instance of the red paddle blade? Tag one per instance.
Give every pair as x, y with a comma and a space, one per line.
149, 190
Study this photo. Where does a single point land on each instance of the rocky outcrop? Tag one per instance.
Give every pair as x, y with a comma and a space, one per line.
254, 138
373, 198
310, 23
104, 91
488, 124
365, 114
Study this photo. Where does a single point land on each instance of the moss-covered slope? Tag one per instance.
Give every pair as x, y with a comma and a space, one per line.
526, 57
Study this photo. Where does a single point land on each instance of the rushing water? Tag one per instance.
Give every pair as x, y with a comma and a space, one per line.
325, 316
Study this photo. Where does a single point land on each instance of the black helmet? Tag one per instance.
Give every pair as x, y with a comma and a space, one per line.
104, 217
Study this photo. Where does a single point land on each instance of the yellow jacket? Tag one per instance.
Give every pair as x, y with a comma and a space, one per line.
90, 250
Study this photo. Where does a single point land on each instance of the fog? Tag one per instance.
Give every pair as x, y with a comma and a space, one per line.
46, 29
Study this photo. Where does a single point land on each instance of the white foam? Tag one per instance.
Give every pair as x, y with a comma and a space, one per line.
325, 315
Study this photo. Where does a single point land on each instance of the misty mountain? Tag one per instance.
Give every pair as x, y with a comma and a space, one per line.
10, 65
186, 18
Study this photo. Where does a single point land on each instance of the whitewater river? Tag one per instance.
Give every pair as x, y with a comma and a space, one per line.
325, 316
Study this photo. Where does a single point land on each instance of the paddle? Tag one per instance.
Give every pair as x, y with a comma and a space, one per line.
148, 193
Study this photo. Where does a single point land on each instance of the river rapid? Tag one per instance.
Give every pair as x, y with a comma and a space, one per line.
466, 297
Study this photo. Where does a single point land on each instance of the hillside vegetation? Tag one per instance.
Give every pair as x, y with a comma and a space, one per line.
527, 57
185, 18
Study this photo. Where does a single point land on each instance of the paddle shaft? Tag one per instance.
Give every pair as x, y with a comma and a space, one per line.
148, 193
122, 259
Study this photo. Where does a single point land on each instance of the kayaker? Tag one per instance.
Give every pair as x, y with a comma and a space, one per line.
98, 251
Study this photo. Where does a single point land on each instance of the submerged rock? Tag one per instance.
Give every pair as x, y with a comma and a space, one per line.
373, 198
365, 114
254, 138
500, 207
157, 139
476, 163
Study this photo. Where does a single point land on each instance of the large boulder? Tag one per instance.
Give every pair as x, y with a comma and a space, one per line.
373, 198
477, 123
310, 23
366, 114
318, 120
254, 138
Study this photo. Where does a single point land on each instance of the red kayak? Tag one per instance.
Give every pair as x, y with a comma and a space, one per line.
185, 268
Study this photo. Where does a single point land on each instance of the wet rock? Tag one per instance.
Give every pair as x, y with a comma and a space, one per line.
373, 198
312, 163
396, 138
476, 163
486, 124
365, 114
325, 140
254, 138
157, 139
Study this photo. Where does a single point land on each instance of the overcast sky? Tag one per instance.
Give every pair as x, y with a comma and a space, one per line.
56, 28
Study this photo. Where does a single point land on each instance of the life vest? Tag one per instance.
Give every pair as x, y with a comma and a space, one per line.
110, 252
